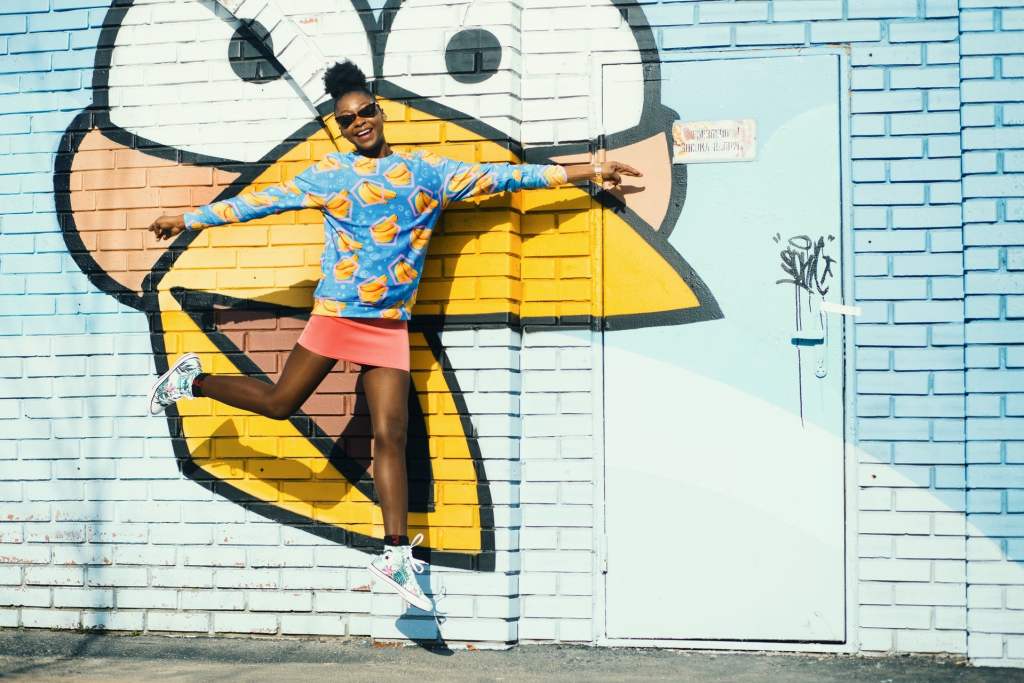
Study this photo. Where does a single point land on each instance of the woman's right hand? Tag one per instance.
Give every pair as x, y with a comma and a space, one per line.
167, 227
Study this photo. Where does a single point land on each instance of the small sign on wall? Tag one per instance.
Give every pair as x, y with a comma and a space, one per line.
708, 141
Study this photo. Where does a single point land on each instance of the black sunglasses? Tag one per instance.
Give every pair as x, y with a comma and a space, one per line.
346, 120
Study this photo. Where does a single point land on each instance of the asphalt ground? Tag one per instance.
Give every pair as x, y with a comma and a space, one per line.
73, 656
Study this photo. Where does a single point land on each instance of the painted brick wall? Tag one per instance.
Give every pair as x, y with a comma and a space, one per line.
102, 530
993, 140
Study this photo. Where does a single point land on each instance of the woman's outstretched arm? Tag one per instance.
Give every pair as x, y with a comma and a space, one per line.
301, 192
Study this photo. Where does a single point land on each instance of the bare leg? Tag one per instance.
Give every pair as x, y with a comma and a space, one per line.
387, 393
302, 374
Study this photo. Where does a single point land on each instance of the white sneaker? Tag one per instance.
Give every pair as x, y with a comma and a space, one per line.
174, 384
398, 568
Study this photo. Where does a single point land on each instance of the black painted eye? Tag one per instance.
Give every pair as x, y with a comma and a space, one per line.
472, 55
249, 61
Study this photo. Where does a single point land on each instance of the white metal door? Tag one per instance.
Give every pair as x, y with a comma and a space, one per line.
724, 441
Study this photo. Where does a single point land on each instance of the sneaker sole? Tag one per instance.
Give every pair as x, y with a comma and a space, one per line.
152, 389
423, 603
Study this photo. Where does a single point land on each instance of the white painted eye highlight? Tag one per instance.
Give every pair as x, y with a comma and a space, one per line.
527, 69
193, 76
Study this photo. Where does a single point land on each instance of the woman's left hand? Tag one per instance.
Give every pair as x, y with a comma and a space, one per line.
612, 172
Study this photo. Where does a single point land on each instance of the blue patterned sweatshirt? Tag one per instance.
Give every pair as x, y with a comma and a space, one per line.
378, 218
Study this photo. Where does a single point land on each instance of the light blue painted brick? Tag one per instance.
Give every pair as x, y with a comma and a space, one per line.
873, 359
869, 171
1014, 209
13, 125
873, 312
24, 6
805, 10
923, 31
12, 284
993, 91
929, 406
943, 99
55, 324
993, 138
770, 34
881, 9
25, 62
1004, 185
995, 332
945, 193
893, 429
883, 55
1013, 67
984, 405
980, 162
32, 144
696, 36
712, 12
889, 240
995, 283
942, 53
16, 244
927, 264
948, 335
945, 240
924, 169
927, 311
845, 31
888, 288
947, 358
947, 287
977, 67
997, 381
1014, 259
868, 79
38, 42
891, 335
929, 77
889, 101
1014, 404
67, 80
867, 124
948, 382
928, 454
1013, 161
941, 8
983, 211
982, 307
870, 217
977, 20
886, 148
943, 146
1001, 428
1013, 115
34, 263
871, 264
12, 24
667, 14
1003, 43
59, 21
873, 405
26, 102
86, 40
1014, 307
888, 193
78, 4
1013, 19
903, 383
74, 59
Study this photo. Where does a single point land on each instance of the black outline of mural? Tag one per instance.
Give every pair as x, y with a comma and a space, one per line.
655, 118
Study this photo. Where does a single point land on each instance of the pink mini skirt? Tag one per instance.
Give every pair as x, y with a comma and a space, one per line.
366, 341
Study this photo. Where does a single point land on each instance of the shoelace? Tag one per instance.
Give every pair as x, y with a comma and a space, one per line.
416, 564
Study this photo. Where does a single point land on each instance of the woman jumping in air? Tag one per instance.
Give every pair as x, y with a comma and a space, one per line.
379, 210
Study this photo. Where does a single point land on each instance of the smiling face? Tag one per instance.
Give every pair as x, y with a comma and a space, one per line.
365, 133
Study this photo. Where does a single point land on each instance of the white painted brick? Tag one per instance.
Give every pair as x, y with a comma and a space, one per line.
884, 616
342, 601
28, 597
178, 621
288, 601
931, 641
928, 594
247, 578
212, 600
229, 622
301, 624
116, 576
182, 578
54, 576
895, 570
24, 554
147, 599
114, 621
875, 639
49, 618
985, 645
215, 556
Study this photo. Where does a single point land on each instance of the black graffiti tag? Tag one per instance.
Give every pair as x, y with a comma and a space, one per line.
805, 263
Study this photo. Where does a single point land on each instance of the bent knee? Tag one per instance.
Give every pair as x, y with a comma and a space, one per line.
390, 432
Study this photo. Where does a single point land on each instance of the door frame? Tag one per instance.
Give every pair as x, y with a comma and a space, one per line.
850, 488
